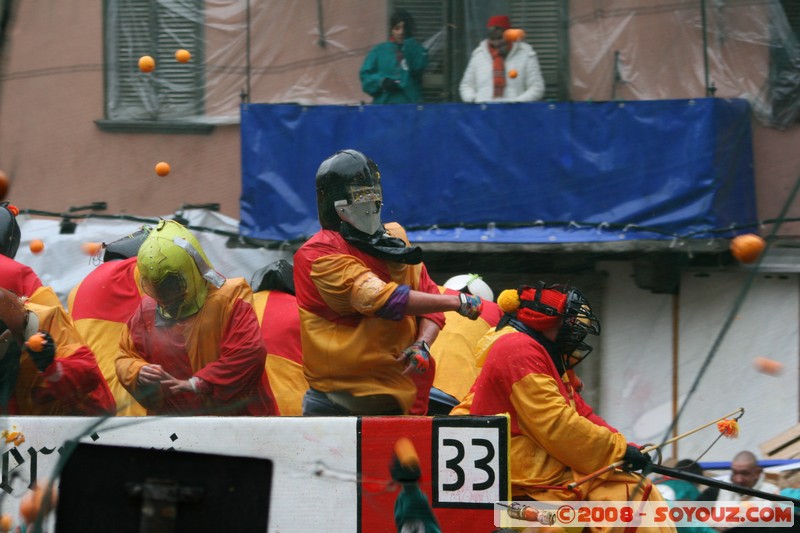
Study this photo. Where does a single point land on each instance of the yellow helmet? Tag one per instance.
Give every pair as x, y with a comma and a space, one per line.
175, 271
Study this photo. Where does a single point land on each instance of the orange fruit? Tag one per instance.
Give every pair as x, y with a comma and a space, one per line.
91, 248
4, 183
748, 247
513, 34
36, 246
14, 209
512, 73
406, 453
162, 168
768, 366
6, 523
33, 503
183, 56
147, 64
36, 342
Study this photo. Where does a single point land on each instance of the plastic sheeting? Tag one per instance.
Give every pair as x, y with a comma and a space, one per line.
309, 52
512, 173
63, 264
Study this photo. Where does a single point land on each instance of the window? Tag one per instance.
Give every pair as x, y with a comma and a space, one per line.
173, 93
452, 28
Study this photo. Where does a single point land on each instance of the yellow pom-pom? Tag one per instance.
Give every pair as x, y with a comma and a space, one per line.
508, 300
728, 428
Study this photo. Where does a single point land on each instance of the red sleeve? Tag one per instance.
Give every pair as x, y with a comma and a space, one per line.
426, 284
80, 384
586, 411
242, 356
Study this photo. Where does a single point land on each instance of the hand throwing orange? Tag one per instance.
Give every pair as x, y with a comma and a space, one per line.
36, 342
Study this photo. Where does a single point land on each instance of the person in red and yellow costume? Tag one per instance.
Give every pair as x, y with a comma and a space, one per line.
103, 302
14, 276
369, 311
57, 376
193, 346
453, 350
276, 308
556, 437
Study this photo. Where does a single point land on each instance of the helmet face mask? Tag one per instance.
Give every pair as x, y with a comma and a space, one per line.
349, 189
579, 321
170, 292
362, 208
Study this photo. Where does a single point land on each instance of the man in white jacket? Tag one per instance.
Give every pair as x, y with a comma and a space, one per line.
502, 71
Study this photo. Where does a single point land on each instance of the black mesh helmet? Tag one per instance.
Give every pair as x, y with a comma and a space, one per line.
127, 246
579, 321
277, 275
9, 232
335, 178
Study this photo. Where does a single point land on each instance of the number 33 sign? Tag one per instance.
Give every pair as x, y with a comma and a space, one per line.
469, 461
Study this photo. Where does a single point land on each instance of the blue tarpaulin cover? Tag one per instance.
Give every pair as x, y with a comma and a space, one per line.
512, 173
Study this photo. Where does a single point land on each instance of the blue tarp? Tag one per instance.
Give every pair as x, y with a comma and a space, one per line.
512, 173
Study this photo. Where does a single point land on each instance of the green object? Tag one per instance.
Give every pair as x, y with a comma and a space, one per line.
170, 273
381, 63
412, 511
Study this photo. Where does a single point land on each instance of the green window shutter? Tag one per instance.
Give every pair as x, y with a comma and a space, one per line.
545, 25
429, 20
792, 9
157, 28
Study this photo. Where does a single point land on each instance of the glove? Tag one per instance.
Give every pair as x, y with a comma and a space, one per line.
389, 85
471, 306
43, 353
418, 356
404, 472
635, 459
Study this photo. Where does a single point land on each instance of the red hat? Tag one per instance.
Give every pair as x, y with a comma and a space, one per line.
499, 21
537, 320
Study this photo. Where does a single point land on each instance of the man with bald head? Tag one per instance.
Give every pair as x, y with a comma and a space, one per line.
745, 472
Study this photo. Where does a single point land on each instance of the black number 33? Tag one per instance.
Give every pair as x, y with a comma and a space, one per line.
480, 464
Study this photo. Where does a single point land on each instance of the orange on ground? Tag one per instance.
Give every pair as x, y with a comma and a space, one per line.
748, 247
36, 342
91, 248
4, 184
162, 168
36, 246
406, 453
768, 366
512, 73
183, 56
147, 64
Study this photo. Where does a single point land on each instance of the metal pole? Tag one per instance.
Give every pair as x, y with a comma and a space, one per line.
247, 53
704, 27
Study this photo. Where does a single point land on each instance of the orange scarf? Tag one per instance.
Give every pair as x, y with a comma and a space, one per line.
499, 71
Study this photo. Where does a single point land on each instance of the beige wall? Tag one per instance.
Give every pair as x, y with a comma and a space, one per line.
52, 91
